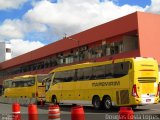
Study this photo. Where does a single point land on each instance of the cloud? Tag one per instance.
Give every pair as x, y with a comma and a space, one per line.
72, 16
11, 4
16, 28
154, 7
11, 29
20, 46
69, 17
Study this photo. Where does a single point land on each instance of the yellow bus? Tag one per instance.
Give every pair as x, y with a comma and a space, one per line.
120, 82
27, 86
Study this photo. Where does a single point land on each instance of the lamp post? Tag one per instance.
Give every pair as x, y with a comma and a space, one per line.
69, 38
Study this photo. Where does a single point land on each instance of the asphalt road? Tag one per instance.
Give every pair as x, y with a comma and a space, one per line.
148, 112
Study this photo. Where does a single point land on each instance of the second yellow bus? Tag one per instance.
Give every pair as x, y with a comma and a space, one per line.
27, 86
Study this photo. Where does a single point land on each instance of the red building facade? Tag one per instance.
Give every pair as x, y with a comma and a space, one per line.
134, 35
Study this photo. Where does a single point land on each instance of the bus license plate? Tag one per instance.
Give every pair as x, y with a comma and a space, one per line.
148, 100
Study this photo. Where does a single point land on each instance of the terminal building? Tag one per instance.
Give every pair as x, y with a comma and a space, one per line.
134, 35
5, 51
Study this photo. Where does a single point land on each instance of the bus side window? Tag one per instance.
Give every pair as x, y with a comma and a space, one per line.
25, 83
87, 73
18, 84
109, 71
72, 75
22, 84
58, 77
84, 73
68, 76
130, 65
13, 84
80, 74
118, 70
121, 69
76, 75
127, 66
29, 83
99, 72
33, 82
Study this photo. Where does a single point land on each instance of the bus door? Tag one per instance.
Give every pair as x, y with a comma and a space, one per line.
40, 91
43, 82
56, 85
68, 86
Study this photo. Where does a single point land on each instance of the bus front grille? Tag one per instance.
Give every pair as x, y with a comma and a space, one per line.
146, 79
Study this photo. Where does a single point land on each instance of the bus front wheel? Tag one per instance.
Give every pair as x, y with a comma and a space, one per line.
107, 103
96, 102
54, 99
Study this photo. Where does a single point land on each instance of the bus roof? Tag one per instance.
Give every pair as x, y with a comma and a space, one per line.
26, 76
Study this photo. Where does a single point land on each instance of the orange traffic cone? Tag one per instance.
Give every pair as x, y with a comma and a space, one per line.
126, 113
53, 112
16, 111
33, 112
77, 113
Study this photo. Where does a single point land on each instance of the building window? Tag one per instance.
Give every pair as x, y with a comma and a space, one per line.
8, 50
130, 43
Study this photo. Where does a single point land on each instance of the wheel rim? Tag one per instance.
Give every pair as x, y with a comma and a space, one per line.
97, 103
54, 101
107, 104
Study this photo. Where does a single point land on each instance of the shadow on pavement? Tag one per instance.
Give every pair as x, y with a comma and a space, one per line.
90, 109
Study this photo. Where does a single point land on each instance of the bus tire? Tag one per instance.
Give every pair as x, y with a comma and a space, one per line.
54, 99
38, 103
107, 102
96, 102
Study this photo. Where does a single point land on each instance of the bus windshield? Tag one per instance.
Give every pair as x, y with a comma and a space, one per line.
40, 78
47, 81
7, 84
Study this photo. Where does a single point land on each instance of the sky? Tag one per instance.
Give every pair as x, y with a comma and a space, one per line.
30, 24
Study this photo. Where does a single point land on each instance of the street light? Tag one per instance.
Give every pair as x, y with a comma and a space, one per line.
69, 38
